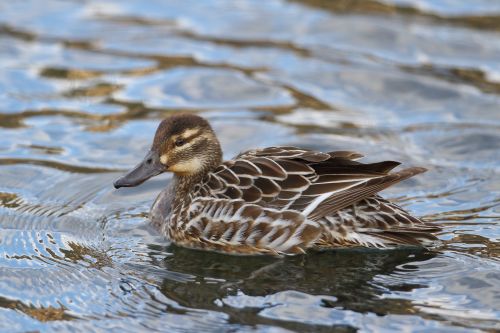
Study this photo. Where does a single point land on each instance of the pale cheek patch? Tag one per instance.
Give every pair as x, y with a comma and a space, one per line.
191, 166
163, 159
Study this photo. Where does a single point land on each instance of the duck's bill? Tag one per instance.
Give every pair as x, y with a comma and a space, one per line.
148, 168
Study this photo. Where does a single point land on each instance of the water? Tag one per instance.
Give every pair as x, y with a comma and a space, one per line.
83, 85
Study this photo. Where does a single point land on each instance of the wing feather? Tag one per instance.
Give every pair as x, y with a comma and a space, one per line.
346, 198
313, 182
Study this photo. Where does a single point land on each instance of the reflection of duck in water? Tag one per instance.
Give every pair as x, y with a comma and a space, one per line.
355, 277
277, 200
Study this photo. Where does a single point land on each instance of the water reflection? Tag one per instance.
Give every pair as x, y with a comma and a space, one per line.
346, 275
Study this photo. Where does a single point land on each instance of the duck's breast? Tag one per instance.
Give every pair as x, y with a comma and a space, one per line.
161, 209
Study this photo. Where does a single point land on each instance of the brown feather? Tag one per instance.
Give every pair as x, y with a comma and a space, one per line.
229, 176
295, 167
233, 192
338, 165
314, 156
243, 167
353, 195
245, 182
267, 186
252, 194
317, 189
287, 194
351, 155
331, 178
250, 212
294, 183
214, 183
269, 168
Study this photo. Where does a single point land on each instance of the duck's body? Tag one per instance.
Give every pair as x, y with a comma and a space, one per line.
277, 200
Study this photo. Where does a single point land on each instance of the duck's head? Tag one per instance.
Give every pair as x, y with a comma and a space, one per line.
184, 144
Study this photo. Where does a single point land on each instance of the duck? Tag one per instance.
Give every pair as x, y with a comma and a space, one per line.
275, 200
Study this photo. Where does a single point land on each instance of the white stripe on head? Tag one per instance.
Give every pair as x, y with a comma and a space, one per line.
190, 132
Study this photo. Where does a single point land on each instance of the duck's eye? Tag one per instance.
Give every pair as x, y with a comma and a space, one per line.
180, 142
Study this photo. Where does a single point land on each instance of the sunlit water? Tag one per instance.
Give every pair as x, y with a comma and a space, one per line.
83, 85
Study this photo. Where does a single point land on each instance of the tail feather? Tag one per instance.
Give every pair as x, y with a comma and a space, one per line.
377, 222
393, 238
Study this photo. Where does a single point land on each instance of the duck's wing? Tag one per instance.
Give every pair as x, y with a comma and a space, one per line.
314, 183
284, 199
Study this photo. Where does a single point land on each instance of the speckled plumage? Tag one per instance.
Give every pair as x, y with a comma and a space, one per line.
285, 200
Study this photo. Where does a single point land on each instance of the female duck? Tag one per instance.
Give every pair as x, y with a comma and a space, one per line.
277, 200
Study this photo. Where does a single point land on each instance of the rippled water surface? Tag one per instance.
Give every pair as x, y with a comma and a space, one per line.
83, 85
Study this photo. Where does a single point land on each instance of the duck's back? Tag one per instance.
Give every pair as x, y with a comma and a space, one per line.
286, 199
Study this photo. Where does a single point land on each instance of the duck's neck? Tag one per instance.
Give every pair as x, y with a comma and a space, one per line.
184, 184
184, 188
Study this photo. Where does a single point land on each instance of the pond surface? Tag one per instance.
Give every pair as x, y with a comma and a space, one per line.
83, 85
